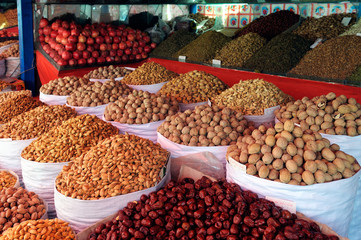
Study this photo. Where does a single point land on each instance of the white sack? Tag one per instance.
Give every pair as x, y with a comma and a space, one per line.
267, 119
104, 80
52, 99
2, 67
97, 111
191, 106
153, 88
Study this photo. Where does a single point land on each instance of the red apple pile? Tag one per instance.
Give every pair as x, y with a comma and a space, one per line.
5, 33
70, 44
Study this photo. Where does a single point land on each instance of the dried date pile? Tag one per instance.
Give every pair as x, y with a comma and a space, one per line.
336, 58
280, 55
205, 210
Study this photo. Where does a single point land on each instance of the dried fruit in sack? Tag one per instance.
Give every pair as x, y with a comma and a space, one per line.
140, 108
118, 165
251, 97
324, 114
205, 209
34, 123
108, 72
2, 44
238, 51
203, 48
205, 126
40, 229
13, 51
326, 27
173, 43
63, 86
149, 73
69, 140
193, 87
336, 58
280, 54
6, 96
17, 105
97, 93
271, 25
6, 179
287, 154
19, 205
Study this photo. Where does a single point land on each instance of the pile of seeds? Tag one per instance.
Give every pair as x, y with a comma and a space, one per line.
3, 85
109, 72
6, 96
63, 86
238, 51
337, 58
326, 27
251, 97
204, 48
280, 55
271, 25
6, 179
149, 73
173, 44
355, 78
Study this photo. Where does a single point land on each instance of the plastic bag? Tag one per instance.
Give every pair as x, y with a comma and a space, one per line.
52, 99
97, 111
83, 213
153, 88
148, 130
179, 150
17, 183
329, 203
40, 178
196, 166
191, 106
267, 119
10, 154
2, 67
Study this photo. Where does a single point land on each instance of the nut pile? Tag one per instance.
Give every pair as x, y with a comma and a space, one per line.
336, 58
96, 93
69, 140
205, 210
140, 108
238, 51
251, 97
18, 205
324, 114
280, 55
271, 25
205, 126
52, 229
63, 86
3, 85
109, 72
17, 105
2, 44
149, 73
8, 95
193, 87
34, 123
289, 154
326, 27
203, 48
6, 180
118, 165
12, 51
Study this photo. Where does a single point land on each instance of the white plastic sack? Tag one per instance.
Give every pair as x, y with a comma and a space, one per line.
191, 106
40, 178
97, 111
10, 154
148, 130
2, 67
267, 119
52, 99
83, 213
179, 150
153, 88
329, 203
17, 183
104, 80
352, 146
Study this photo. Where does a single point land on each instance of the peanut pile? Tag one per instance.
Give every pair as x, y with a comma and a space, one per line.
3, 85
53, 229
290, 154
17, 105
96, 93
6, 180
140, 108
63, 86
34, 123
6, 96
205, 126
251, 97
69, 140
193, 87
149, 73
12, 51
18, 205
324, 114
118, 165
109, 72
